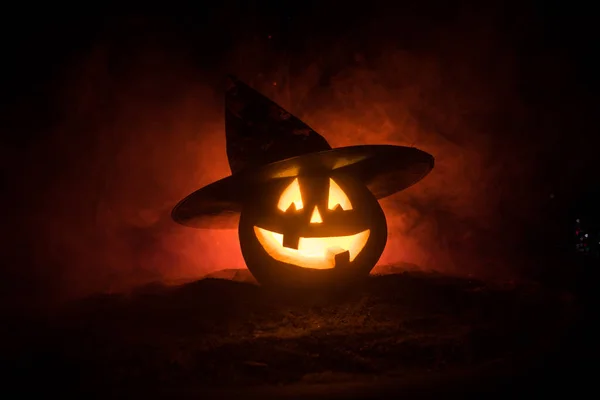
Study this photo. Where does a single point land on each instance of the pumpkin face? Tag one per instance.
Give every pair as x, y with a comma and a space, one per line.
311, 230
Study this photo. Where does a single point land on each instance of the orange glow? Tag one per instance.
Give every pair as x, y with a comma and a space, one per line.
316, 217
337, 196
317, 253
291, 195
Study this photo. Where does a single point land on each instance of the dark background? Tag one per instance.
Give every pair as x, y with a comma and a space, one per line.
104, 117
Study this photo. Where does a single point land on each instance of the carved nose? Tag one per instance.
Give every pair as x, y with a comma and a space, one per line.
316, 217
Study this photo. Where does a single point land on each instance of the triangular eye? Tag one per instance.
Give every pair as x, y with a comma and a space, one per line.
337, 197
291, 195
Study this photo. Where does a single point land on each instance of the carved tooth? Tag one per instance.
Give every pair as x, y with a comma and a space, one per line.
291, 241
338, 257
342, 260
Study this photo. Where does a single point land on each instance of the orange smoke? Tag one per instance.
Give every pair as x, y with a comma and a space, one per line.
142, 128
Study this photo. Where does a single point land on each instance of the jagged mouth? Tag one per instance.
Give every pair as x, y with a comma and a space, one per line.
316, 252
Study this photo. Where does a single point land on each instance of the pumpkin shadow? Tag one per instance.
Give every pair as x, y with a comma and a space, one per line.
226, 289
236, 307
222, 332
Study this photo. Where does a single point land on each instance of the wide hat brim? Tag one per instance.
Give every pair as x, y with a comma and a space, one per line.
384, 169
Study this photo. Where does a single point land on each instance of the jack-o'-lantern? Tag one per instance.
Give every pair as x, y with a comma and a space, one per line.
312, 229
308, 214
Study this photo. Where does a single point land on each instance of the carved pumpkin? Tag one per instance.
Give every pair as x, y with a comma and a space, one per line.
308, 213
312, 229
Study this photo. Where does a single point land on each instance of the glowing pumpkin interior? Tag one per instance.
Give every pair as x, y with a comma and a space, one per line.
313, 252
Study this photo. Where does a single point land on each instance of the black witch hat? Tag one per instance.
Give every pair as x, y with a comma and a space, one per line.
265, 142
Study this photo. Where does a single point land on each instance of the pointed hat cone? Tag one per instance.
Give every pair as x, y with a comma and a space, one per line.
260, 132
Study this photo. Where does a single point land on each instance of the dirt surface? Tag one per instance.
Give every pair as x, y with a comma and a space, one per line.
398, 332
